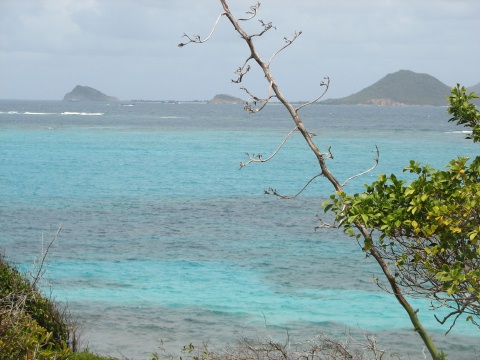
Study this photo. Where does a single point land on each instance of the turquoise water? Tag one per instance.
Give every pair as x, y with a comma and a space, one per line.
163, 237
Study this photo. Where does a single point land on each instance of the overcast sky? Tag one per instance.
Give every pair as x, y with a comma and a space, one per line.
128, 48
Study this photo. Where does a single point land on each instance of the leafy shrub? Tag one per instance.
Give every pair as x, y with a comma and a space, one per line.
31, 326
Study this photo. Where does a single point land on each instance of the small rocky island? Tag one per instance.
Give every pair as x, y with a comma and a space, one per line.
86, 93
225, 99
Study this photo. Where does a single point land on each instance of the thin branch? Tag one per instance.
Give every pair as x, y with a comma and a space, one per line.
253, 97
253, 12
248, 104
259, 158
457, 312
376, 159
324, 225
266, 27
288, 43
41, 267
330, 155
196, 38
325, 83
272, 191
241, 71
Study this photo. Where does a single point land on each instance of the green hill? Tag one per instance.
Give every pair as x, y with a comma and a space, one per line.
403, 87
476, 89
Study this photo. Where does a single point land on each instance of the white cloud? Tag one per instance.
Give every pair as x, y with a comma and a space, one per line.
354, 41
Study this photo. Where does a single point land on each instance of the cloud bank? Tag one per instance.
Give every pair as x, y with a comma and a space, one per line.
128, 49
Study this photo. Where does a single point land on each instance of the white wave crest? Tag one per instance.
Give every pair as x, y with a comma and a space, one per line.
82, 113
173, 117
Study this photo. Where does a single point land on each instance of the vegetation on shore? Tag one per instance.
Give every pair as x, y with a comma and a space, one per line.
32, 326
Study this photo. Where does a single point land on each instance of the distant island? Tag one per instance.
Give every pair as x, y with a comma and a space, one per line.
401, 88
86, 93
226, 99
476, 89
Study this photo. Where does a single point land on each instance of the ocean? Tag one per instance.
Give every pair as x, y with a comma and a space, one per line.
165, 241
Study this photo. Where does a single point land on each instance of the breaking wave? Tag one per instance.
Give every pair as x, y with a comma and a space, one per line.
82, 113
459, 132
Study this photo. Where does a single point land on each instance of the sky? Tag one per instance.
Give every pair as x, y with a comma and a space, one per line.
128, 48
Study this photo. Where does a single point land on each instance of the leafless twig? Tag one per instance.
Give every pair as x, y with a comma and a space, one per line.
288, 43
196, 38
253, 12
259, 158
376, 159
241, 71
41, 267
266, 27
272, 191
324, 224
325, 84
251, 103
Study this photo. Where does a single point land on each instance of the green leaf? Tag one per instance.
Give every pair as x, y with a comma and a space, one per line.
367, 244
365, 218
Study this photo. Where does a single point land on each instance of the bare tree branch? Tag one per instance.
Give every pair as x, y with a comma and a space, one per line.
266, 27
253, 12
376, 159
251, 103
288, 43
241, 71
325, 84
259, 158
196, 38
272, 191
324, 225
41, 267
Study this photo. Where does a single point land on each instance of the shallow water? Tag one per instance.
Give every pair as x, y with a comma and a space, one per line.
163, 237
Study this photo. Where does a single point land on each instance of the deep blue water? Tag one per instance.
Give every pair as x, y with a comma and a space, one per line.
163, 237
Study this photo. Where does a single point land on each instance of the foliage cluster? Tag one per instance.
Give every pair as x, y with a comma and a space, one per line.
33, 327
464, 111
429, 228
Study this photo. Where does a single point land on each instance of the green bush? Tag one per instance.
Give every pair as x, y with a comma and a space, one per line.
31, 326
24, 338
